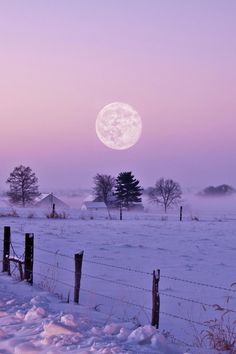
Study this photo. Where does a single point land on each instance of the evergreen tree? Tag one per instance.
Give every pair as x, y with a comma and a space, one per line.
127, 189
23, 186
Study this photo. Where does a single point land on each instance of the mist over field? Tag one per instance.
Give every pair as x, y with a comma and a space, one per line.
104, 106
191, 201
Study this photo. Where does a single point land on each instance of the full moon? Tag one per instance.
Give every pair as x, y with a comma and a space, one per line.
118, 126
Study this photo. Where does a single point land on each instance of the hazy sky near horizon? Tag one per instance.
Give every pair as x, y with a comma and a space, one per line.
174, 61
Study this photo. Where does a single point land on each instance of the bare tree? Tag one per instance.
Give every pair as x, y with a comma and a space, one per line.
103, 189
166, 192
23, 186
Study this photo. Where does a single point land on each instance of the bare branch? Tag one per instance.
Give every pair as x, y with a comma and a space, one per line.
166, 192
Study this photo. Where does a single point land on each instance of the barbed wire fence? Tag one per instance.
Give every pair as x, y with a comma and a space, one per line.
54, 271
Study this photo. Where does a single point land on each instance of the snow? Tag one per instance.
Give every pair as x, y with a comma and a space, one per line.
115, 300
33, 321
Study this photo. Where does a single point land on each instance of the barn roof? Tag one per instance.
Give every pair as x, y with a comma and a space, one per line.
94, 205
47, 200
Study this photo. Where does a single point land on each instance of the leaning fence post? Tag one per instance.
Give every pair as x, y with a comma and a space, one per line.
6, 249
78, 273
29, 258
155, 298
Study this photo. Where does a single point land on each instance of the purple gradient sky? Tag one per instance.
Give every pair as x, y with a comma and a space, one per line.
174, 61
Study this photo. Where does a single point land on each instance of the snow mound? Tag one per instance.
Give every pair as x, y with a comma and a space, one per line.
69, 320
35, 313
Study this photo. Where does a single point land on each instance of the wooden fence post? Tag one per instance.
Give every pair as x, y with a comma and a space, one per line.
181, 213
29, 258
121, 216
155, 298
53, 210
6, 249
78, 273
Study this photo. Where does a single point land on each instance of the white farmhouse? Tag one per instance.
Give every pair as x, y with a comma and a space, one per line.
93, 206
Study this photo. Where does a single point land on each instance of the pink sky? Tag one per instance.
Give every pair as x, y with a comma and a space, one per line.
173, 61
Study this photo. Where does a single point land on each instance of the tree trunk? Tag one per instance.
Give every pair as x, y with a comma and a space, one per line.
23, 194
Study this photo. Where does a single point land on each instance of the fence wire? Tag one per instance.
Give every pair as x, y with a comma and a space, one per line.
198, 283
117, 267
116, 299
15, 254
53, 266
57, 253
54, 280
184, 319
214, 306
116, 282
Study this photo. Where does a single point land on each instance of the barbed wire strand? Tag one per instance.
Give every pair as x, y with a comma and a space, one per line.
53, 279
14, 252
115, 282
116, 299
162, 276
13, 271
54, 253
117, 267
129, 285
17, 243
145, 307
137, 271
54, 266
140, 272
195, 301
184, 319
198, 283
47, 251
181, 342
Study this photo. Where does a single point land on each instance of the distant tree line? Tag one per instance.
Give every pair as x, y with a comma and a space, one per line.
121, 191
125, 191
221, 190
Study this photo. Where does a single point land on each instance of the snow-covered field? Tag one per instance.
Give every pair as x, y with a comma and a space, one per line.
32, 321
119, 257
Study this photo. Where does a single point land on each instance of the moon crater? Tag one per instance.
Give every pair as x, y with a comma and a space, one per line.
118, 126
